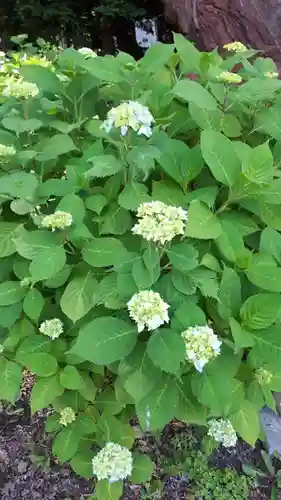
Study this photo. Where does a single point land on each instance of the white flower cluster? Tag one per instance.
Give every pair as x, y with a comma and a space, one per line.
17, 87
6, 152
87, 52
127, 115
201, 344
271, 74
228, 77
1, 348
53, 328
67, 416
113, 462
222, 431
147, 309
57, 220
263, 376
235, 47
159, 222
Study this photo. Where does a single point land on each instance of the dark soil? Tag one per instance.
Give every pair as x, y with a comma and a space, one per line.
29, 472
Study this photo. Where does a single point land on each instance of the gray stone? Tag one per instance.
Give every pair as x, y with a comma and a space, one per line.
271, 424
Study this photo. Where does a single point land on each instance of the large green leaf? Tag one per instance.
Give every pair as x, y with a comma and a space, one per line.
246, 422
11, 292
108, 491
65, 444
103, 252
47, 263
73, 204
166, 349
30, 244
189, 54
261, 310
105, 340
44, 392
191, 91
158, 407
142, 469
81, 463
79, 296
42, 364
8, 232
270, 243
133, 195
220, 156
33, 304
70, 378
44, 78
175, 160
103, 166
229, 294
183, 256
56, 146
257, 167
10, 374
202, 223
263, 275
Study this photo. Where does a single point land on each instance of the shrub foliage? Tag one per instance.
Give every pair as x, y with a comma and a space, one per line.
67, 279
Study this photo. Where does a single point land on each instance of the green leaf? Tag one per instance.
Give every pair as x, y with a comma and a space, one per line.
189, 54
103, 252
143, 468
70, 378
166, 349
11, 292
44, 392
111, 429
202, 223
41, 364
258, 166
8, 231
59, 144
229, 294
246, 422
10, 374
19, 125
116, 220
30, 244
168, 192
81, 463
271, 215
88, 389
108, 491
258, 89
183, 256
267, 347
65, 444
144, 277
158, 407
156, 57
264, 276
220, 156
193, 92
142, 159
103, 166
106, 402
104, 68
205, 118
19, 185
44, 78
270, 243
105, 340
230, 242
210, 391
242, 337
79, 297
73, 204
133, 195
33, 304
96, 202
189, 409
231, 126
33, 343
175, 160
138, 374
261, 310
47, 263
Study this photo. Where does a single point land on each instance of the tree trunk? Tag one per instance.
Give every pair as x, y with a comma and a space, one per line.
211, 23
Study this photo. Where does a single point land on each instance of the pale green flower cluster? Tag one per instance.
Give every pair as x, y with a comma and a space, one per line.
6, 152
67, 416
127, 115
113, 462
202, 345
222, 431
263, 376
228, 77
87, 52
1, 348
53, 328
57, 220
147, 309
235, 47
271, 74
25, 282
159, 222
18, 88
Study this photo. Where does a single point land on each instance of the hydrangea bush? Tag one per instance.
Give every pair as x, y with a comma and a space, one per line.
140, 246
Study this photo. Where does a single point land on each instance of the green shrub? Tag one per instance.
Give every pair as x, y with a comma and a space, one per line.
78, 242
